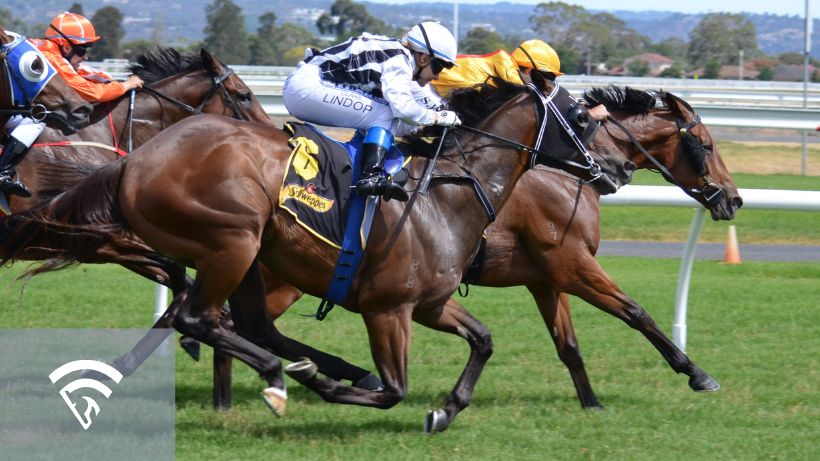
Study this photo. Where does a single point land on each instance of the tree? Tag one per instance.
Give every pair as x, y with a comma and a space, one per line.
225, 35
274, 46
481, 41
12, 24
131, 50
673, 71
108, 25
638, 68
719, 37
76, 8
347, 19
263, 44
765, 73
672, 47
711, 69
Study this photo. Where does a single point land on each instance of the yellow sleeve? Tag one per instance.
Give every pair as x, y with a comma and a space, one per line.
473, 69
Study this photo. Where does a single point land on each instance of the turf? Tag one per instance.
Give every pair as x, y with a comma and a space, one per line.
754, 327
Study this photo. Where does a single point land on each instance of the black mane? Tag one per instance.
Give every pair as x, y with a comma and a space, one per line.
621, 99
161, 63
476, 103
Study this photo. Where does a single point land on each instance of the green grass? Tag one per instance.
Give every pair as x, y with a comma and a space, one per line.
754, 327
753, 226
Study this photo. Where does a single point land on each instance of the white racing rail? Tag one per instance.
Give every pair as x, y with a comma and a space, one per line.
666, 196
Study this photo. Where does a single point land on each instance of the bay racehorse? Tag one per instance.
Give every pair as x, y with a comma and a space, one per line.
30, 86
177, 86
549, 245
204, 192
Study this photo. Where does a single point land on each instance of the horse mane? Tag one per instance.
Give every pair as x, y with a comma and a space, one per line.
161, 63
473, 105
638, 102
621, 99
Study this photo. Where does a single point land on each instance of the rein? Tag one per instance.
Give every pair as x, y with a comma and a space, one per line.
218, 83
711, 193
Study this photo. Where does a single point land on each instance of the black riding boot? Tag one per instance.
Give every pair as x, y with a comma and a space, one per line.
12, 151
373, 182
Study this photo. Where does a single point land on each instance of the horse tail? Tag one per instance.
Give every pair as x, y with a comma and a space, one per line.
69, 229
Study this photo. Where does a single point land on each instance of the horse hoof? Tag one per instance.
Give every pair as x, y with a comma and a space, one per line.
302, 371
370, 382
191, 347
276, 399
436, 421
703, 383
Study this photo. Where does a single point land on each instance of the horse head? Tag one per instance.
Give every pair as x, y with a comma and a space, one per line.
29, 85
664, 133
199, 83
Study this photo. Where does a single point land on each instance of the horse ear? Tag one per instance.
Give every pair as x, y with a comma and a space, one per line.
678, 106
210, 62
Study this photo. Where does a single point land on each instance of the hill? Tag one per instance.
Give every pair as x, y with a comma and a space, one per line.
186, 20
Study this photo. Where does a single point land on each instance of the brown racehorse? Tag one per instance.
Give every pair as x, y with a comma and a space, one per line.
60, 106
204, 192
555, 253
177, 86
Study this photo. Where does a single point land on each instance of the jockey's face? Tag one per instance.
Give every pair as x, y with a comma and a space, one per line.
72, 55
424, 62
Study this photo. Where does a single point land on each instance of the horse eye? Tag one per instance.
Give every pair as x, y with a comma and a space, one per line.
245, 96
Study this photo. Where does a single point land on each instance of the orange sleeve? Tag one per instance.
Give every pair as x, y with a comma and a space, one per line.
91, 91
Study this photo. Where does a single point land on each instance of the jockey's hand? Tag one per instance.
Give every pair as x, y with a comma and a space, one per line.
133, 83
447, 118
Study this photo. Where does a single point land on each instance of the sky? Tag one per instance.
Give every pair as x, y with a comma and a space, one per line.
789, 7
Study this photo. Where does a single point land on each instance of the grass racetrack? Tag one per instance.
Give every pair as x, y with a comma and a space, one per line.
755, 327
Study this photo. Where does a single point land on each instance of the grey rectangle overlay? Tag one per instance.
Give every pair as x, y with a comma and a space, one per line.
48, 403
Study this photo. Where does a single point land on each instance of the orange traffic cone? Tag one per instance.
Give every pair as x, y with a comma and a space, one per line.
732, 255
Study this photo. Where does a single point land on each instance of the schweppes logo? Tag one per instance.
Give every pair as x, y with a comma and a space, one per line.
308, 196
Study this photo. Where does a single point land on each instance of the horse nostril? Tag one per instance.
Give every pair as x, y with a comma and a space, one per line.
629, 166
737, 202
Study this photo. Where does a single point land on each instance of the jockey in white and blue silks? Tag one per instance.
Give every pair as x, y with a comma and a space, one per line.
367, 83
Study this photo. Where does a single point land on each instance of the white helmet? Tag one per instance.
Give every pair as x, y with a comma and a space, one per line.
432, 38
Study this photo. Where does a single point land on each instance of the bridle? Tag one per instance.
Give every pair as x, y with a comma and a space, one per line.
217, 83
38, 112
710, 193
536, 153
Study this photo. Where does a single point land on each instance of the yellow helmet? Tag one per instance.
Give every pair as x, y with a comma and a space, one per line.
539, 52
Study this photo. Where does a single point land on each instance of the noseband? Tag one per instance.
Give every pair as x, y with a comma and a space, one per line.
710, 193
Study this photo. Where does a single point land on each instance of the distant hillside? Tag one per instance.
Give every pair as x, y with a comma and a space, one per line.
185, 19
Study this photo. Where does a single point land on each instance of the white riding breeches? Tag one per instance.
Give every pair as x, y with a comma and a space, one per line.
310, 98
24, 129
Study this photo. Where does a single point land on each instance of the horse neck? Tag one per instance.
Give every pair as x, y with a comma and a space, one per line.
496, 167
657, 133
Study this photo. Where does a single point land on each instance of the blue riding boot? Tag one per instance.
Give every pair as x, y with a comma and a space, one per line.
377, 143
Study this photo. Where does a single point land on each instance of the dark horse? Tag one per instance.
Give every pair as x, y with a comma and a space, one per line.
550, 245
56, 102
205, 191
177, 86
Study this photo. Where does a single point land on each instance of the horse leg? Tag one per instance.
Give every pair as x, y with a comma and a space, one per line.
453, 318
597, 288
554, 309
389, 333
199, 316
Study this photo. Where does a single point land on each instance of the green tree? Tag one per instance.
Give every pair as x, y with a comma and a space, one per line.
673, 71
76, 8
711, 69
719, 36
600, 37
766, 73
672, 47
108, 24
263, 44
225, 35
481, 41
131, 50
348, 19
12, 24
638, 68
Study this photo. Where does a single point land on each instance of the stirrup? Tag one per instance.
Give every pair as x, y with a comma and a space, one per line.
379, 185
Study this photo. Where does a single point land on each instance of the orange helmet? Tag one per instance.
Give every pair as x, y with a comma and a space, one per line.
77, 29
